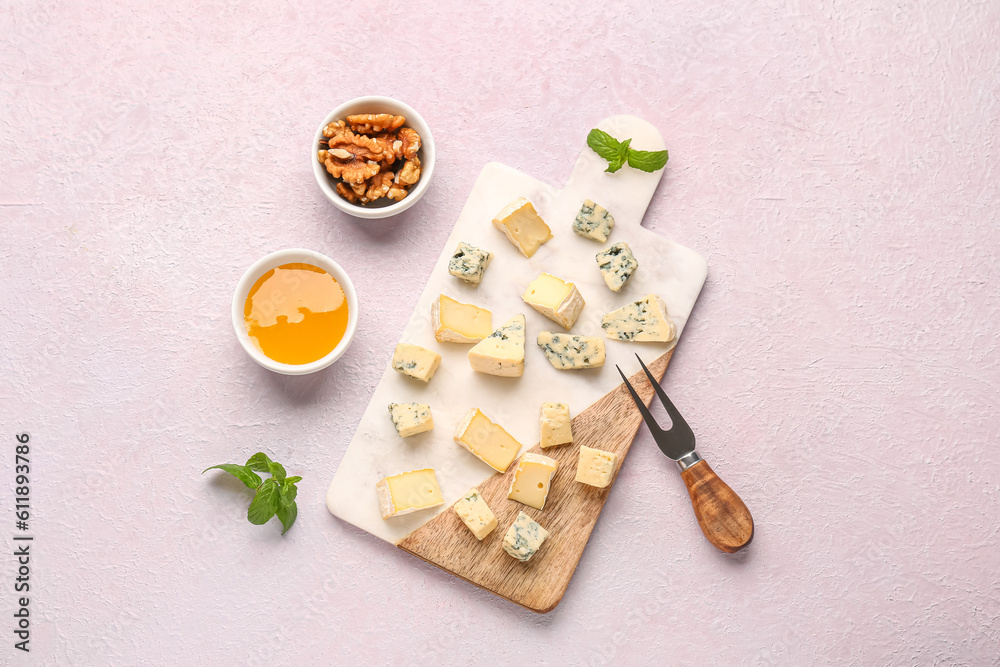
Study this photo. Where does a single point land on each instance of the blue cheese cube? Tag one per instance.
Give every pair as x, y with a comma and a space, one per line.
569, 352
411, 418
556, 425
469, 263
476, 514
617, 265
593, 222
524, 538
596, 467
644, 320
415, 361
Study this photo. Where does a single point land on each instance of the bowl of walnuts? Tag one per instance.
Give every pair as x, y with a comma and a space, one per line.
373, 157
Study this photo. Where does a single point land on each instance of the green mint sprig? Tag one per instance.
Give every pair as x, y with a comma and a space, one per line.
617, 153
272, 496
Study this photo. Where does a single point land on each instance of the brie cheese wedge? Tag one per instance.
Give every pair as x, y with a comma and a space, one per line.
502, 352
556, 299
523, 226
457, 322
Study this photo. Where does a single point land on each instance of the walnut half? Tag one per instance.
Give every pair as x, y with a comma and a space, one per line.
370, 123
409, 173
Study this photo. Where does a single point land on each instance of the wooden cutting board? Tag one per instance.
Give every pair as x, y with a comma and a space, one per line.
571, 510
665, 268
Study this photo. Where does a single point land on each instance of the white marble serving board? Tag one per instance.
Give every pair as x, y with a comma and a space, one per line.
665, 268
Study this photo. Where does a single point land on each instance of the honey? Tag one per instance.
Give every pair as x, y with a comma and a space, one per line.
296, 313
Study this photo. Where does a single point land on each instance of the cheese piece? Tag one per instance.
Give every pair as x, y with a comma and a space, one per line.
469, 263
532, 479
593, 221
617, 264
524, 537
411, 418
476, 514
487, 441
415, 361
556, 426
408, 492
596, 467
568, 352
502, 352
523, 226
643, 320
556, 299
457, 322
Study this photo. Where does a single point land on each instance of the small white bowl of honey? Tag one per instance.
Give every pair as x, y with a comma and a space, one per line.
295, 311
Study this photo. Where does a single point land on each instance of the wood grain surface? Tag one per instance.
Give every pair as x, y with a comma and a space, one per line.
570, 513
722, 514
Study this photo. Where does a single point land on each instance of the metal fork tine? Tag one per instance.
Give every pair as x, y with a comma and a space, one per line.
643, 410
675, 415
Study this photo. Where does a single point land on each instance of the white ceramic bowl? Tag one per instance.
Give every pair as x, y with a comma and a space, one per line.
383, 208
275, 259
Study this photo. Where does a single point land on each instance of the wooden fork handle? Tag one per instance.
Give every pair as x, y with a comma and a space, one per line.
722, 515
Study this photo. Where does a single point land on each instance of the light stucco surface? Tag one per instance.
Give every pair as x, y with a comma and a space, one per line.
833, 161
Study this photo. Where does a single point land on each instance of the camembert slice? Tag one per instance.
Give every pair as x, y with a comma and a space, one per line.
569, 352
415, 361
596, 467
487, 441
645, 320
502, 352
532, 479
556, 426
523, 226
524, 537
408, 492
457, 322
476, 514
556, 299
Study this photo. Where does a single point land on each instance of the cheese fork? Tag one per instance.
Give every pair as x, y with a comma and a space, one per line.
722, 515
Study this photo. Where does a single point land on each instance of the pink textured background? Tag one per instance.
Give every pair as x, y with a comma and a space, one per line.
834, 162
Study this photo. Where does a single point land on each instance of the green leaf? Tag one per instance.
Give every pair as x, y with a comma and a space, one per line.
609, 148
603, 144
242, 473
277, 470
259, 462
264, 503
619, 161
287, 514
288, 493
275, 495
649, 161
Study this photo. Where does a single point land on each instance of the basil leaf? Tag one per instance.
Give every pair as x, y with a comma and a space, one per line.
275, 495
288, 493
609, 148
619, 161
264, 504
287, 514
603, 144
648, 161
259, 462
277, 470
242, 473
